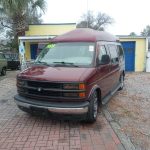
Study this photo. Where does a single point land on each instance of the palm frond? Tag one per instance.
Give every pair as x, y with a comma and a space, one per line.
41, 4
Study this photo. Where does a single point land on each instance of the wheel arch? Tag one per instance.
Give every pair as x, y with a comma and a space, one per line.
123, 73
98, 90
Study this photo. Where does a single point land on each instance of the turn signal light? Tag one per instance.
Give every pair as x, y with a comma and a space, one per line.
81, 86
82, 94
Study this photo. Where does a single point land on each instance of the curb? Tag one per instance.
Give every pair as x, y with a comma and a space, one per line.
124, 139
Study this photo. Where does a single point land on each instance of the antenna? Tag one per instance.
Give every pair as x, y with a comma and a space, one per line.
87, 12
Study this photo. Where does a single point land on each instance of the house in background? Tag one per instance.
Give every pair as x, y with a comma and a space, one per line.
39, 35
135, 49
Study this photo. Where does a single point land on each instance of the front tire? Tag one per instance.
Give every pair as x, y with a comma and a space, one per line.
3, 73
93, 108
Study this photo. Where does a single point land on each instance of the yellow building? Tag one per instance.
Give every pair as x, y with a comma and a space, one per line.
38, 35
135, 49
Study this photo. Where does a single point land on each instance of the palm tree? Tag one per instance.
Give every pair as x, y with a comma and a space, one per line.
16, 14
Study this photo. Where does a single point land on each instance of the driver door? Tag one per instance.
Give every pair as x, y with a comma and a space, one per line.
103, 72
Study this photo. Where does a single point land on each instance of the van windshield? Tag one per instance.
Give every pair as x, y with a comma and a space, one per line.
67, 54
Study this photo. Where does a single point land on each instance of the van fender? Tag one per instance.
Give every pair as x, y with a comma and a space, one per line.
95, 87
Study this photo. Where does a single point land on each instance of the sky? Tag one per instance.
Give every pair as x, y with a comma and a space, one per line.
129, 15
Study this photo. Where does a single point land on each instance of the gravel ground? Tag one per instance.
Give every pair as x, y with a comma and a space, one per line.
131, 109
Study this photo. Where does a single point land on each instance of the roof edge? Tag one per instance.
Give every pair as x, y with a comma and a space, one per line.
54, 24
132, 37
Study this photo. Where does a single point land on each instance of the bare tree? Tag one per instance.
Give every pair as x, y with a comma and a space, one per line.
98, 22
132, 34
146, 31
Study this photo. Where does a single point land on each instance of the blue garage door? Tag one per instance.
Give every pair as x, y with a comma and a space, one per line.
33, 50
129, 50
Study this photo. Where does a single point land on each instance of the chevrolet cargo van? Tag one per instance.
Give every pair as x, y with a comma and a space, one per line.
73, 75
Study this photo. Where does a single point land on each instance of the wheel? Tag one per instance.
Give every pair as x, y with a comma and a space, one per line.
93, 108
121, 82
3, 73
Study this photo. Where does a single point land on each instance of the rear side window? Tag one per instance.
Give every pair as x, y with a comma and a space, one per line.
120, 51
113, 53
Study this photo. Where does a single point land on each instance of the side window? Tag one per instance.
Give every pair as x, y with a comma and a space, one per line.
113, 53
102, 52
120, 51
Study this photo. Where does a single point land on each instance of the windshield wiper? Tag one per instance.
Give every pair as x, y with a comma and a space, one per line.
65, 63
43, 63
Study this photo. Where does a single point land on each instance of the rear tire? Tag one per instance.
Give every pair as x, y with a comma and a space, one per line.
93, 108
121, 80
3, 72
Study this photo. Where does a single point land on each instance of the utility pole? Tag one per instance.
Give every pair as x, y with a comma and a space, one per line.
87, 12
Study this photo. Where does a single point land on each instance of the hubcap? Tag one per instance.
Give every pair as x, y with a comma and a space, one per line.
95, 105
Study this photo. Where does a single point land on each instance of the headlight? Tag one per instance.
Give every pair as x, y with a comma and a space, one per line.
75, 95
71, 95
71, 86
74, 86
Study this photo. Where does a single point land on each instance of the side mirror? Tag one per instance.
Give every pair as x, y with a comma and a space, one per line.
105, 60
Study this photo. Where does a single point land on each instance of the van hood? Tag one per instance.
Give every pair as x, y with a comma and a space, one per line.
62, 74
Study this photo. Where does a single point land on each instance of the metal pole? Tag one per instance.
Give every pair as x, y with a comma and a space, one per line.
87, 13
23, 65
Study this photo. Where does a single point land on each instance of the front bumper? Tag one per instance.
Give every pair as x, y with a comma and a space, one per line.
54, 107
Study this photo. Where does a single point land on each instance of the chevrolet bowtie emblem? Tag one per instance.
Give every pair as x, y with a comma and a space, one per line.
39, 89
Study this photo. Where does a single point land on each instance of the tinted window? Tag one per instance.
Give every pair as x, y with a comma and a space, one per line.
120, 51
113, 53
102, 51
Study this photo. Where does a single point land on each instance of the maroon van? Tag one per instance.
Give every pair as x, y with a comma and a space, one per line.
73, 75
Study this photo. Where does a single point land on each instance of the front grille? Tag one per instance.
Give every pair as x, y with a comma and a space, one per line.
45, 93
49, 85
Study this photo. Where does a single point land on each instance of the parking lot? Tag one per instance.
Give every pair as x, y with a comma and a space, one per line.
20, 131
130, 108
